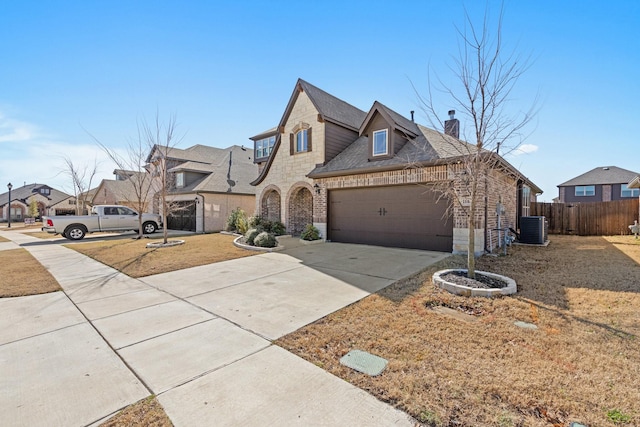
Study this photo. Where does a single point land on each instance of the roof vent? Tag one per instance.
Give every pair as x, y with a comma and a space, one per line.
606, 168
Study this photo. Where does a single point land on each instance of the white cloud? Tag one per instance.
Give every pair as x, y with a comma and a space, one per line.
525, 149
12, 130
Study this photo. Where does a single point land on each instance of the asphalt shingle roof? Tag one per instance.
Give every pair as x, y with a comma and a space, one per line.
333, 108
228, 170
24, 192
602, 175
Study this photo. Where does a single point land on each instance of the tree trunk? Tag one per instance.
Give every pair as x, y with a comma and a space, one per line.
471, 256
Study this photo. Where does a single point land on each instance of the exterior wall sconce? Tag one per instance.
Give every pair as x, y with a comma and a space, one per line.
317, 187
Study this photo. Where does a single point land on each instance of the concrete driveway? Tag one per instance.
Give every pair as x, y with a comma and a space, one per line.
200, 339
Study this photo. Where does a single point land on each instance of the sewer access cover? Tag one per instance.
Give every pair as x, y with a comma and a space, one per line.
364, 362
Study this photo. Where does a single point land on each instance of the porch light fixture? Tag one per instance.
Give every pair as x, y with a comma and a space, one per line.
317, 187
9, 186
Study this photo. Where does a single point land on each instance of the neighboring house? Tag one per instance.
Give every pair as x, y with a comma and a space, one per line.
207, 183
367, 177
602, 184
50, 202
123, 190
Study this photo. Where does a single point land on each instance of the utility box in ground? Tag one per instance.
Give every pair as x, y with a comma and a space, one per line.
533, 230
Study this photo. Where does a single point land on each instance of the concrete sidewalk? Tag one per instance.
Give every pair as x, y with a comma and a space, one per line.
198, 338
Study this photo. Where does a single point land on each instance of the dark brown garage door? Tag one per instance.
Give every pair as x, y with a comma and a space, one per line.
403, 216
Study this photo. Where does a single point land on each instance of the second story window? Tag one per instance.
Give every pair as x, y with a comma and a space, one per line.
44, 191
380, 143
585, 190
264, 147
301, 141
180, 179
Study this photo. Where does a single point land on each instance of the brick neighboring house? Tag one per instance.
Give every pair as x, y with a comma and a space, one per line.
50, 202
601, 184
367, 177
207, 183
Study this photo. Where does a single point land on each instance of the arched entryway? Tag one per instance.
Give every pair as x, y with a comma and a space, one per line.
270, 204
300, 210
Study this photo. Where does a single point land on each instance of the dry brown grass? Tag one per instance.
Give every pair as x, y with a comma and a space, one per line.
134, 259
145, 413
582, 362
2, 239
22, 275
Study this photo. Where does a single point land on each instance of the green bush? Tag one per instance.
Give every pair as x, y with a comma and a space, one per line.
274, 227
237, 221
265, 240
250, 236
277, 228
310, 233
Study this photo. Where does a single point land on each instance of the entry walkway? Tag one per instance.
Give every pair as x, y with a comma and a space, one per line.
200, 339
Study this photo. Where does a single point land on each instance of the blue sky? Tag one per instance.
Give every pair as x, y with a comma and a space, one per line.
227, 70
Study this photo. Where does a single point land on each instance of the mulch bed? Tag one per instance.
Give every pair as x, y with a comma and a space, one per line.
481, 281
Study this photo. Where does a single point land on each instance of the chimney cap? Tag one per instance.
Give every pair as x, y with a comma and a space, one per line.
452, 114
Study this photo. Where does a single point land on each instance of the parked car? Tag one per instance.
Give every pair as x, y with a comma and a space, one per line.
101, 218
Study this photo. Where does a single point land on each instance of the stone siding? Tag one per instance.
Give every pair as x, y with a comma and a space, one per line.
288, 172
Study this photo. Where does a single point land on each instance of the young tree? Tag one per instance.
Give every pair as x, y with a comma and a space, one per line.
33, 208
161, 139
137, 189
486, 76
81, 178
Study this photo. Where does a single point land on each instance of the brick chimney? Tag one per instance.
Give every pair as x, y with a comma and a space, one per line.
452, 126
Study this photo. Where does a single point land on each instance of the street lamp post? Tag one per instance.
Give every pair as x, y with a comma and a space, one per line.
9, 186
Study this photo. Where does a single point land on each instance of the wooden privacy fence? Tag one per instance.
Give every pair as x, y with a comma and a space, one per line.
589, 219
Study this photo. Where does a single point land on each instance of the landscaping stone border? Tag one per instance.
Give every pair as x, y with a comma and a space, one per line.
510, 289
165, 245
256, 248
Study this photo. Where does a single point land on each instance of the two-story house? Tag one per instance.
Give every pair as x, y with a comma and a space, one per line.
205, 184
368, 177
601, 184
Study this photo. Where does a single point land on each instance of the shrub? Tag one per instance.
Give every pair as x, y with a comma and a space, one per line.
249, 236
310, 233
237, 221
277, 228
255, 222
242, 225
265, 240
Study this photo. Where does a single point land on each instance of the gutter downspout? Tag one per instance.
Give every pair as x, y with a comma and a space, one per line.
202, 203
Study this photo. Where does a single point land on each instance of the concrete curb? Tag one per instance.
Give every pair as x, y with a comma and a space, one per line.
456, 289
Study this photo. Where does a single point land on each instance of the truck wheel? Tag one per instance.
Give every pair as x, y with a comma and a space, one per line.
149, 227
75, 232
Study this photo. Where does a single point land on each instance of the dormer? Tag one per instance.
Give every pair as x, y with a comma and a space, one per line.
386, 131
43, 190
263, 144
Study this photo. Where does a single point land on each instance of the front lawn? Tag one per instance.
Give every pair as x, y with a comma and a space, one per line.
133, 258
475, 367
21, 274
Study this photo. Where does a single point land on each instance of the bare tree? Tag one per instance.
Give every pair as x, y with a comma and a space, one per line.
161, 139
136, 190
486, 77
81, 177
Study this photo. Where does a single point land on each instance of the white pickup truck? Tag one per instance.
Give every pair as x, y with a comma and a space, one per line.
102, 218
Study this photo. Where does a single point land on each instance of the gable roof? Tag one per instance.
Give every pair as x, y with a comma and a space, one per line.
602, 175
27, 190
329, 108
425, 146
634, 183
403, 124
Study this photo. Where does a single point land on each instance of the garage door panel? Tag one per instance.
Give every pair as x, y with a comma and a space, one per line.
401, 216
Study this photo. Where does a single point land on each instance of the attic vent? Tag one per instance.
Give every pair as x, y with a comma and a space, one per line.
605, 169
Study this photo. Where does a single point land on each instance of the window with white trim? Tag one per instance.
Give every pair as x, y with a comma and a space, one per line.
585, 190
264, 147
180, 179
526, 200
625, 191
301, 141
380, 143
